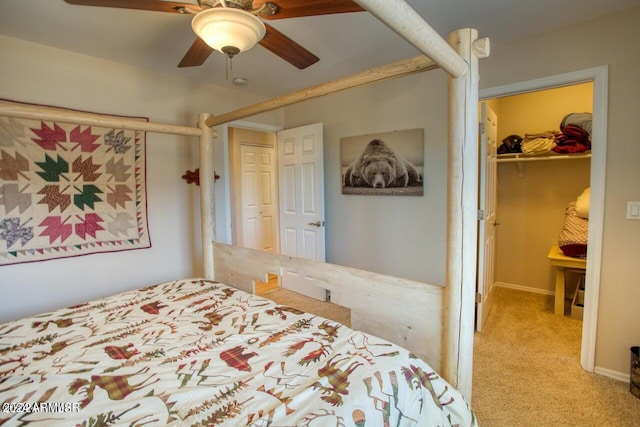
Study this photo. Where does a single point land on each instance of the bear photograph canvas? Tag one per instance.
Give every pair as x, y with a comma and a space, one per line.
389, 163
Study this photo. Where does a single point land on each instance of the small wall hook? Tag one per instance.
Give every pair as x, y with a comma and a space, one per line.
194, 176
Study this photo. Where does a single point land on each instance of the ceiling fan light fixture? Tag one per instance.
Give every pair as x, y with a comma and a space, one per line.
228, 30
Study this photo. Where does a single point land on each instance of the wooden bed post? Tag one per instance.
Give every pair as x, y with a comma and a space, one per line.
462, 214
207, 194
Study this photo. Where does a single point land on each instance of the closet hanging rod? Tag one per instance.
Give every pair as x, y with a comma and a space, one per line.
540, 158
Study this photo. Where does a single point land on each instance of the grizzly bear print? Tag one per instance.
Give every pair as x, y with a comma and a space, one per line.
379, 167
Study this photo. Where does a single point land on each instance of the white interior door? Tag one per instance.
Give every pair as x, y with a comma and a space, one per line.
301, 177
258, 189
487, 199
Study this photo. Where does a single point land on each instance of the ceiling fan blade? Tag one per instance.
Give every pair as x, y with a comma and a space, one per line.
197, 54
299, 8
287, 49
153, 5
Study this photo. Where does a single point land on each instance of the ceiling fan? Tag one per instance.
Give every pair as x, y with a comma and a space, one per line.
230, 12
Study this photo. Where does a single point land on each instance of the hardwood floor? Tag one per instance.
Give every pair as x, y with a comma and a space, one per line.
272, 284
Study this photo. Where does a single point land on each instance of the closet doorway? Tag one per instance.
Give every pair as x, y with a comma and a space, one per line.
255, 185
254, 193
536, 273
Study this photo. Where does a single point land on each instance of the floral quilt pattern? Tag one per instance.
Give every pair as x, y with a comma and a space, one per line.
68, 190
200, 353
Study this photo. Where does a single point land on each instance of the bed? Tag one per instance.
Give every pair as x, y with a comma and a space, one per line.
198, 352
435, 324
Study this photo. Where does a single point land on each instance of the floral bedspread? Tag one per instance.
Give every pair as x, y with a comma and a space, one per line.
200, 353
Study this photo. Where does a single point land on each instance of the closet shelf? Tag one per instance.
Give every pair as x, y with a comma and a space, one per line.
518, 157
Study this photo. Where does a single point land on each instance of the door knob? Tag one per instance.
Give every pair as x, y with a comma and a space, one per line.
316, 224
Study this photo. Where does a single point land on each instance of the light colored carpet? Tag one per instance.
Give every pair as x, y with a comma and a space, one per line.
527, 371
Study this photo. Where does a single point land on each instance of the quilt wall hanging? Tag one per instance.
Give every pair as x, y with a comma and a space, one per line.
68, 190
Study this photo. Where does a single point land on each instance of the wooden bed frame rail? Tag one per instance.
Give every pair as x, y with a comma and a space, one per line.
38, 112
402, 311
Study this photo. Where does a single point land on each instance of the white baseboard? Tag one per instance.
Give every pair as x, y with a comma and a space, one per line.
620, 376
525, 288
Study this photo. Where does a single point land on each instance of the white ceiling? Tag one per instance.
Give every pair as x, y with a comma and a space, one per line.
345, 43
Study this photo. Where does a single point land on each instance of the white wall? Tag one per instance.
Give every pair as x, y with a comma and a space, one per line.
402, 236
406, 237
38, 74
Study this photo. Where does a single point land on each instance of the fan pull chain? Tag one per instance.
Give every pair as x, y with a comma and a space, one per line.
228, 65
230, 52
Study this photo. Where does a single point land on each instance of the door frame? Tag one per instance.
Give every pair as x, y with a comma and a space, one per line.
600, 78
488, 172
226, 174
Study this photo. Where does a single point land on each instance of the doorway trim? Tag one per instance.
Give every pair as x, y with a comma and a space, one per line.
600, 78
226, 174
